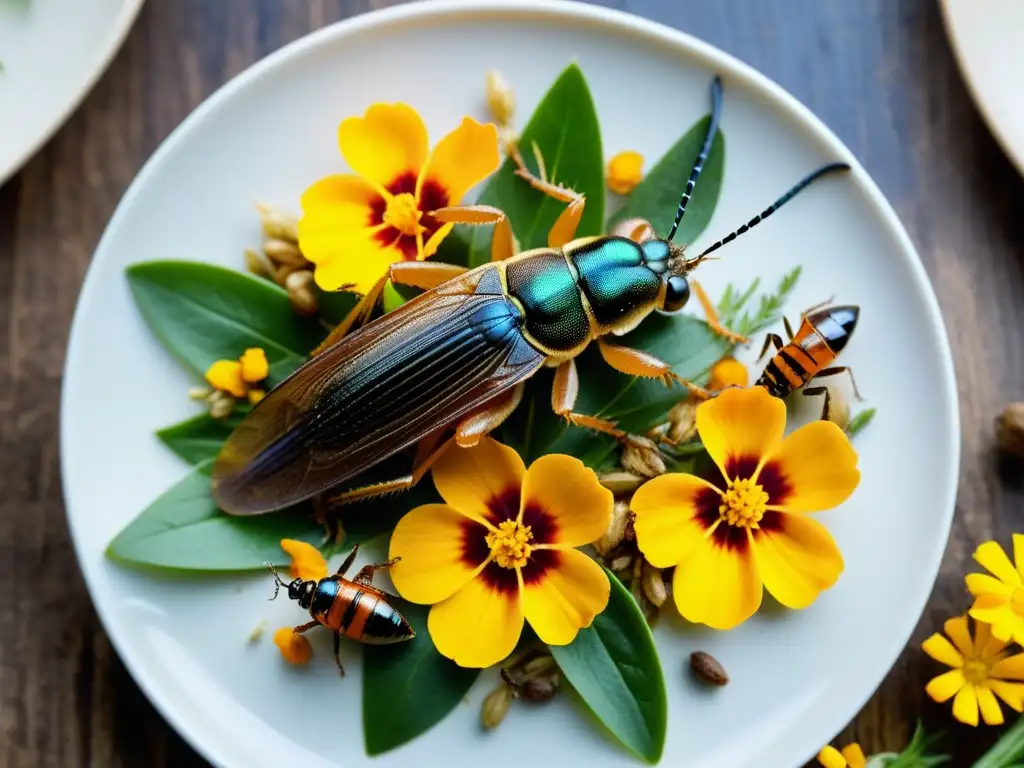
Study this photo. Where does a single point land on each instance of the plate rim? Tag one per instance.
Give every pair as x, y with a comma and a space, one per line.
111, 46
626, 23
1011, 147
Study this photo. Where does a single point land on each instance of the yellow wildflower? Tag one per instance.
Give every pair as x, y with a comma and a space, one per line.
749, 529
307, 562
501, 549
728, 372
999, 598
852, 756
237, 377
295, 648
625, 171
980, 671
356, 225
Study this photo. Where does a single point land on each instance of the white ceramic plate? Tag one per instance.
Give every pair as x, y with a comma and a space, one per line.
798, 677
52, 52
988, 39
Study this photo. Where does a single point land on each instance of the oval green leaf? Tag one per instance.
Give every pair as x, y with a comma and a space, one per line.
566, 130
613, 666
409, 687
200, 438
203, 313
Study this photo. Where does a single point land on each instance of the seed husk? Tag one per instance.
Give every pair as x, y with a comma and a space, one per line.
495, 706
654, 585
283, 253
616, 529
301, 295
1010, 430
707, 668
540, 688
641, 456
621, 563
838, 408
621, 482
278, 224
257, 264
199, 393
682, 422
222, 405
500, 99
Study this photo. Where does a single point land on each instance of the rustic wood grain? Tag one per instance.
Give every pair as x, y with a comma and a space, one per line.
879, 73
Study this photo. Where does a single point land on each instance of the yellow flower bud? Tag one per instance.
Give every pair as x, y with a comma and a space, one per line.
625, 171
254, 366
226, 375
728, 372
294, 647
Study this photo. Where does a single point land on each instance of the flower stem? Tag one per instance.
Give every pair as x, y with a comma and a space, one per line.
1007, 752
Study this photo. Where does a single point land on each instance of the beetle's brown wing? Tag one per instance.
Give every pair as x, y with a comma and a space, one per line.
374, 393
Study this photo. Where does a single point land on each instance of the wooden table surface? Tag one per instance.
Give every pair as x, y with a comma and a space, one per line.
879, 73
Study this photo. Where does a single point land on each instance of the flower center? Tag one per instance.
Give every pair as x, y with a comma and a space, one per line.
975, 671
403, 214
510, 544
743, 503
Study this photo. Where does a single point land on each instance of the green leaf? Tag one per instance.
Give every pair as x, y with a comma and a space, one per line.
200, 438
565, 129
1007, 751
184, 530
203, 313
408, 687
861, 420
613, 665
656, 198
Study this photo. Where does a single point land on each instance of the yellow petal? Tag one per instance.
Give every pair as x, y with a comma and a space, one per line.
797, 558
940, 649
673, 514
478, 626
1018, 552
728, 372
992, 557
1010, 668
982, 584
830, 757
965, 705
945, 686
625, 171
855, 756
1003, 623
566, 492
462, 159
226, 375
294, 648
956, 629
991, 712
307, 562
333, 206
717, 585
1011, 693
986, 645
255, 367
357, 266
815, 469
740, 426
567, 596
482, 482
386, 143
434, 543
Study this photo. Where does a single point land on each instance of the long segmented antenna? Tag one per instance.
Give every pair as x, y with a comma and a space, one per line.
277, 580
773, 207
698, 166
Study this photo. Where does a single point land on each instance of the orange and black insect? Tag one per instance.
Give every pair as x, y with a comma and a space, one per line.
355, 609
824, 332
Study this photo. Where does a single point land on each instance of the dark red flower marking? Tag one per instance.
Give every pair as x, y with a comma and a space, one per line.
541, 524
540, 562
740, 467
474, 543
707, 501
771, 522
775, 484
500, 579
432, 197
504, 506
731, 537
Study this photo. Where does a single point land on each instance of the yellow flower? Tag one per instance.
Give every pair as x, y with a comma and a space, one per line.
999, 599
728, 372
354, 226
307, 562
502, 548
625, 171
852, 756
748, 529
236, 377
980, 672
294, 648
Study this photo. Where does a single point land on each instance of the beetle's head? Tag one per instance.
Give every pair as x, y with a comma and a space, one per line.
298, 589
669, 262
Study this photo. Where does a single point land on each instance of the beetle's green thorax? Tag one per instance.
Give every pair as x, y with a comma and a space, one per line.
546, 288
616, 279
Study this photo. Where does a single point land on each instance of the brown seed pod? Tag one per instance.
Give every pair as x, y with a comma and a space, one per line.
682, 422
540, 688
622, 563
222, 405
283, 253
616, 529
654, 585
495, 706
277, 224
301, 293
707, 668
642, 457
620, 482
1010, 430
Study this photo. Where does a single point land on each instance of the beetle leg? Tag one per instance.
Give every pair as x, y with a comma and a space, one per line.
635, 362
365, 575
479, 423
417, 274
565, 226
503, 241
305, 627
812, 391
837, 370
712, 315
337, 653
771, 338
564, 391
788, 327
348, 561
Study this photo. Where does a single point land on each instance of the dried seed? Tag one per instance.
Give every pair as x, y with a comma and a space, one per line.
539, 665
838, 408
222, 405
621, 563
707, 668
199, 393
301, 295
682, 422
642, 457
281, 252
257, 631
1010, 434
654, 585
541, 688
620, 482
616, 529
277, 224
500, 98
256, 264
495, 706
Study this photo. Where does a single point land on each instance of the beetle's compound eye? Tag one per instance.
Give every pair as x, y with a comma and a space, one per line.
677, 293
295, 589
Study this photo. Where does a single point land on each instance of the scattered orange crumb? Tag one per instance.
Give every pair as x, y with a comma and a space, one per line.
307, 562
294, 648
254, 363
625, 171
255, 395
728, 372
